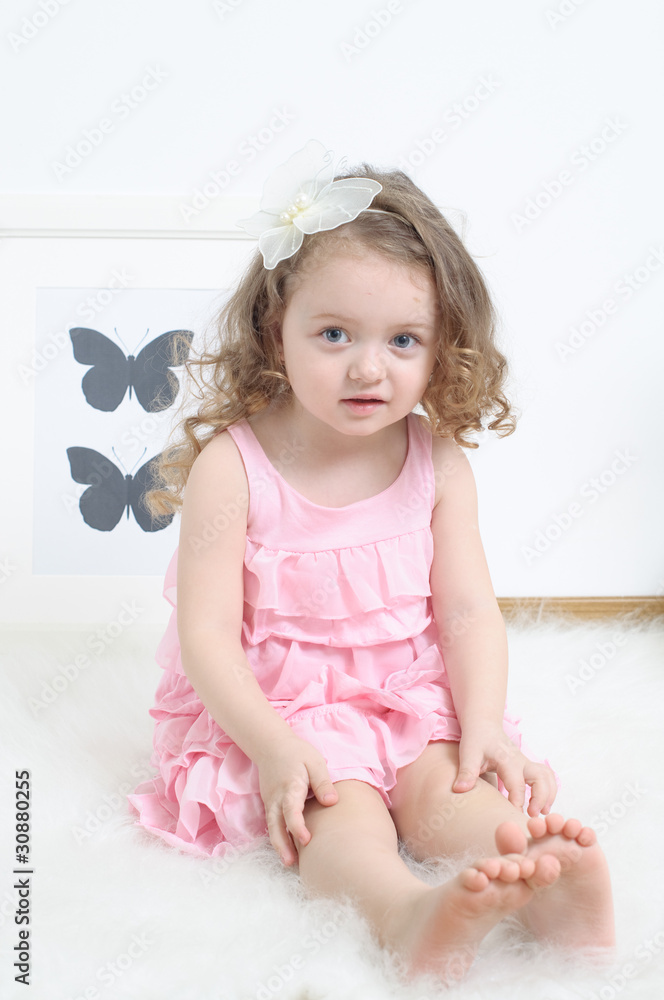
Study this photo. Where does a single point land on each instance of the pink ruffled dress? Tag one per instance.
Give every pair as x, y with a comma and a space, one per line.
339, 631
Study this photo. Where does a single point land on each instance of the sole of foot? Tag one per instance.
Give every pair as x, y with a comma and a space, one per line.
577, 912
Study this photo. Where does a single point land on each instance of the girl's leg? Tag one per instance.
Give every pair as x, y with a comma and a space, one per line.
434, 821
353, 852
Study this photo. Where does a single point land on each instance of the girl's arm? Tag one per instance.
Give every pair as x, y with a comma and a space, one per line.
209, 617
473, 638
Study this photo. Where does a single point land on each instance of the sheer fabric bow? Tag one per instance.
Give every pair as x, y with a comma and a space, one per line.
301, 197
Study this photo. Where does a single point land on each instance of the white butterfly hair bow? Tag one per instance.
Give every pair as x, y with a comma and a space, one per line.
302, 197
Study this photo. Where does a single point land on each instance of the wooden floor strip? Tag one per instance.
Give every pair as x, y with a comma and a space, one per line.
582, 607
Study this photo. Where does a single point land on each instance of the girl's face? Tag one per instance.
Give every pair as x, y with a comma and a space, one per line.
358, 338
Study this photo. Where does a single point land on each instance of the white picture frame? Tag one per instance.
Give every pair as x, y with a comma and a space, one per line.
54, 247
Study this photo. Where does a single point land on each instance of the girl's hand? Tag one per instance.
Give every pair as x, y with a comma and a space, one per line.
489, 749
286, 773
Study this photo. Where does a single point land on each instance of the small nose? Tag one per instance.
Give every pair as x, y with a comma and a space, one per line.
367, 366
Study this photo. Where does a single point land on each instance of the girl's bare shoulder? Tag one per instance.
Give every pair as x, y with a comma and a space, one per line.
452, 470
218, 469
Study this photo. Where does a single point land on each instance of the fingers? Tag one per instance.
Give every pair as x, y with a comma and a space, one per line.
543, 789
465, 780
511, 775
519, 772
293, 812
279, 836
470, 764
285, 823
510, 768
324, 790
517, 793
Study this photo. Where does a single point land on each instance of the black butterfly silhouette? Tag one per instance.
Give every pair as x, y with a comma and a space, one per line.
111, 492
112, 373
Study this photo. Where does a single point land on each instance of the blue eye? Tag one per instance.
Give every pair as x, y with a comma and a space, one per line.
401, 337
333, 335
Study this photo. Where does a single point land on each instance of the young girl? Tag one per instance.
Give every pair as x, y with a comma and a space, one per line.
335, 670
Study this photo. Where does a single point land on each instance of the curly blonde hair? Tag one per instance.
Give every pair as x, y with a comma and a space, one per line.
243, 373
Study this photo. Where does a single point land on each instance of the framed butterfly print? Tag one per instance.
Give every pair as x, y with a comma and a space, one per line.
103, 321
102, 418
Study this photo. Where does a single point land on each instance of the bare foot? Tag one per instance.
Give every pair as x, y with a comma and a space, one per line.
438, 930
578, 910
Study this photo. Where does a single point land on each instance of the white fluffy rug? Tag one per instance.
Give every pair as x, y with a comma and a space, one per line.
116, 913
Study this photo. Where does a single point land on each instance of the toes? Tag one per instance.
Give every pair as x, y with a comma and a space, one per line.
473, 879
510, 871
587, 837
526, 865
510, 838
537, 827
572, 828
547, 870
501, 868
555, 823
507, 868
490, 867
584, 835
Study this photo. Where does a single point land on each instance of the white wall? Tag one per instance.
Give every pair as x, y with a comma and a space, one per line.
559, 95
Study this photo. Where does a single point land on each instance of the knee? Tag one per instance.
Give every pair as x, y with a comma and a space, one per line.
359, 814
425, 825
425, 780
423, 803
